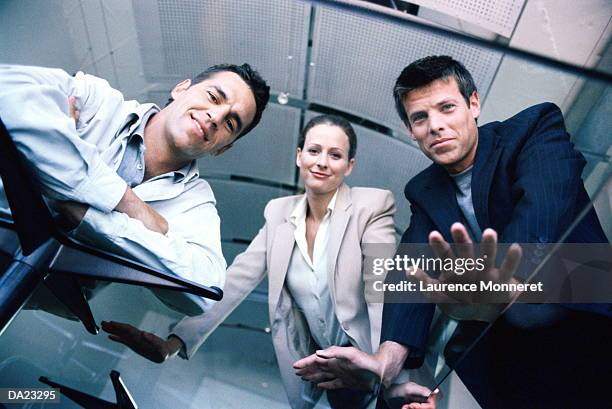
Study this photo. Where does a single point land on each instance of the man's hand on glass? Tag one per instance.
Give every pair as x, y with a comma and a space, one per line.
144, 343
471, 305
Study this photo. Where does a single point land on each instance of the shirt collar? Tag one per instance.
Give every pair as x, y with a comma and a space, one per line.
138, 120
142, 118
187, 173
463, 172
463, 179
299, 211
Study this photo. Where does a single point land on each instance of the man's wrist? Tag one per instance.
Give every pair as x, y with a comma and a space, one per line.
135, 208
126, 204
390, 356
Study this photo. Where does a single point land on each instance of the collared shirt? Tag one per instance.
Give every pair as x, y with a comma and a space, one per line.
132, 166
81, 163
463, 193
307, 279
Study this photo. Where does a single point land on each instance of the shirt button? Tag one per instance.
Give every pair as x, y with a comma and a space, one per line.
139, 166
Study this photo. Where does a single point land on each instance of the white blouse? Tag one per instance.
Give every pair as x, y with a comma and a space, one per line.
308, 280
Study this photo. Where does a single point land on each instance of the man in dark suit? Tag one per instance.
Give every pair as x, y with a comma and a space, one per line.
516, 181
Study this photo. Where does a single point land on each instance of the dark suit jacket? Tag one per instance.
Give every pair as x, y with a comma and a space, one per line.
526, 184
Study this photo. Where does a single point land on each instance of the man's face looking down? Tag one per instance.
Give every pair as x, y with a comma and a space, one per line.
207, 117
443, 124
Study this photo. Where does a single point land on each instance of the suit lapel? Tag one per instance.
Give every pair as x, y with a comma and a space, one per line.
485, 163
337, 227
439, 196
282, 248
280, 255
284, 241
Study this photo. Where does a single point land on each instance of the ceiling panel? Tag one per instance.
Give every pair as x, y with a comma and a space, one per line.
267, 152
34, 33
499, 16
241, 206
105, 42
180, 38
356, 61
387, 163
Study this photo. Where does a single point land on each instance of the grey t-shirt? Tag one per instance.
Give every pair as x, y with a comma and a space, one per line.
463, 181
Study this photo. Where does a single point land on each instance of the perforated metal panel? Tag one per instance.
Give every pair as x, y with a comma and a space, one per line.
499, 16
356, 61
387, 163
105, 43
241, 205
180, 38
267, 152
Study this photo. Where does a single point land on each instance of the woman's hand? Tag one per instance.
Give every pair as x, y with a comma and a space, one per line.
339, 367
309, 370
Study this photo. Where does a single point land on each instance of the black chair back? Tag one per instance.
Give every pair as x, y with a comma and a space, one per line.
33, 221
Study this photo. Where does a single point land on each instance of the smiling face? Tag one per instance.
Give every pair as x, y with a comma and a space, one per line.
207, 117
324, 161
443, 125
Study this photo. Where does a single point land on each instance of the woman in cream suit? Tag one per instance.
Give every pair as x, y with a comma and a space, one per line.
311, 249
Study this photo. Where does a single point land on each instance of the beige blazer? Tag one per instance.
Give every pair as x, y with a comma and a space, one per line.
361, 215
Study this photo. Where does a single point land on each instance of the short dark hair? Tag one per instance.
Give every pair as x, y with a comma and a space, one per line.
425, 71
333, 120
258, 86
